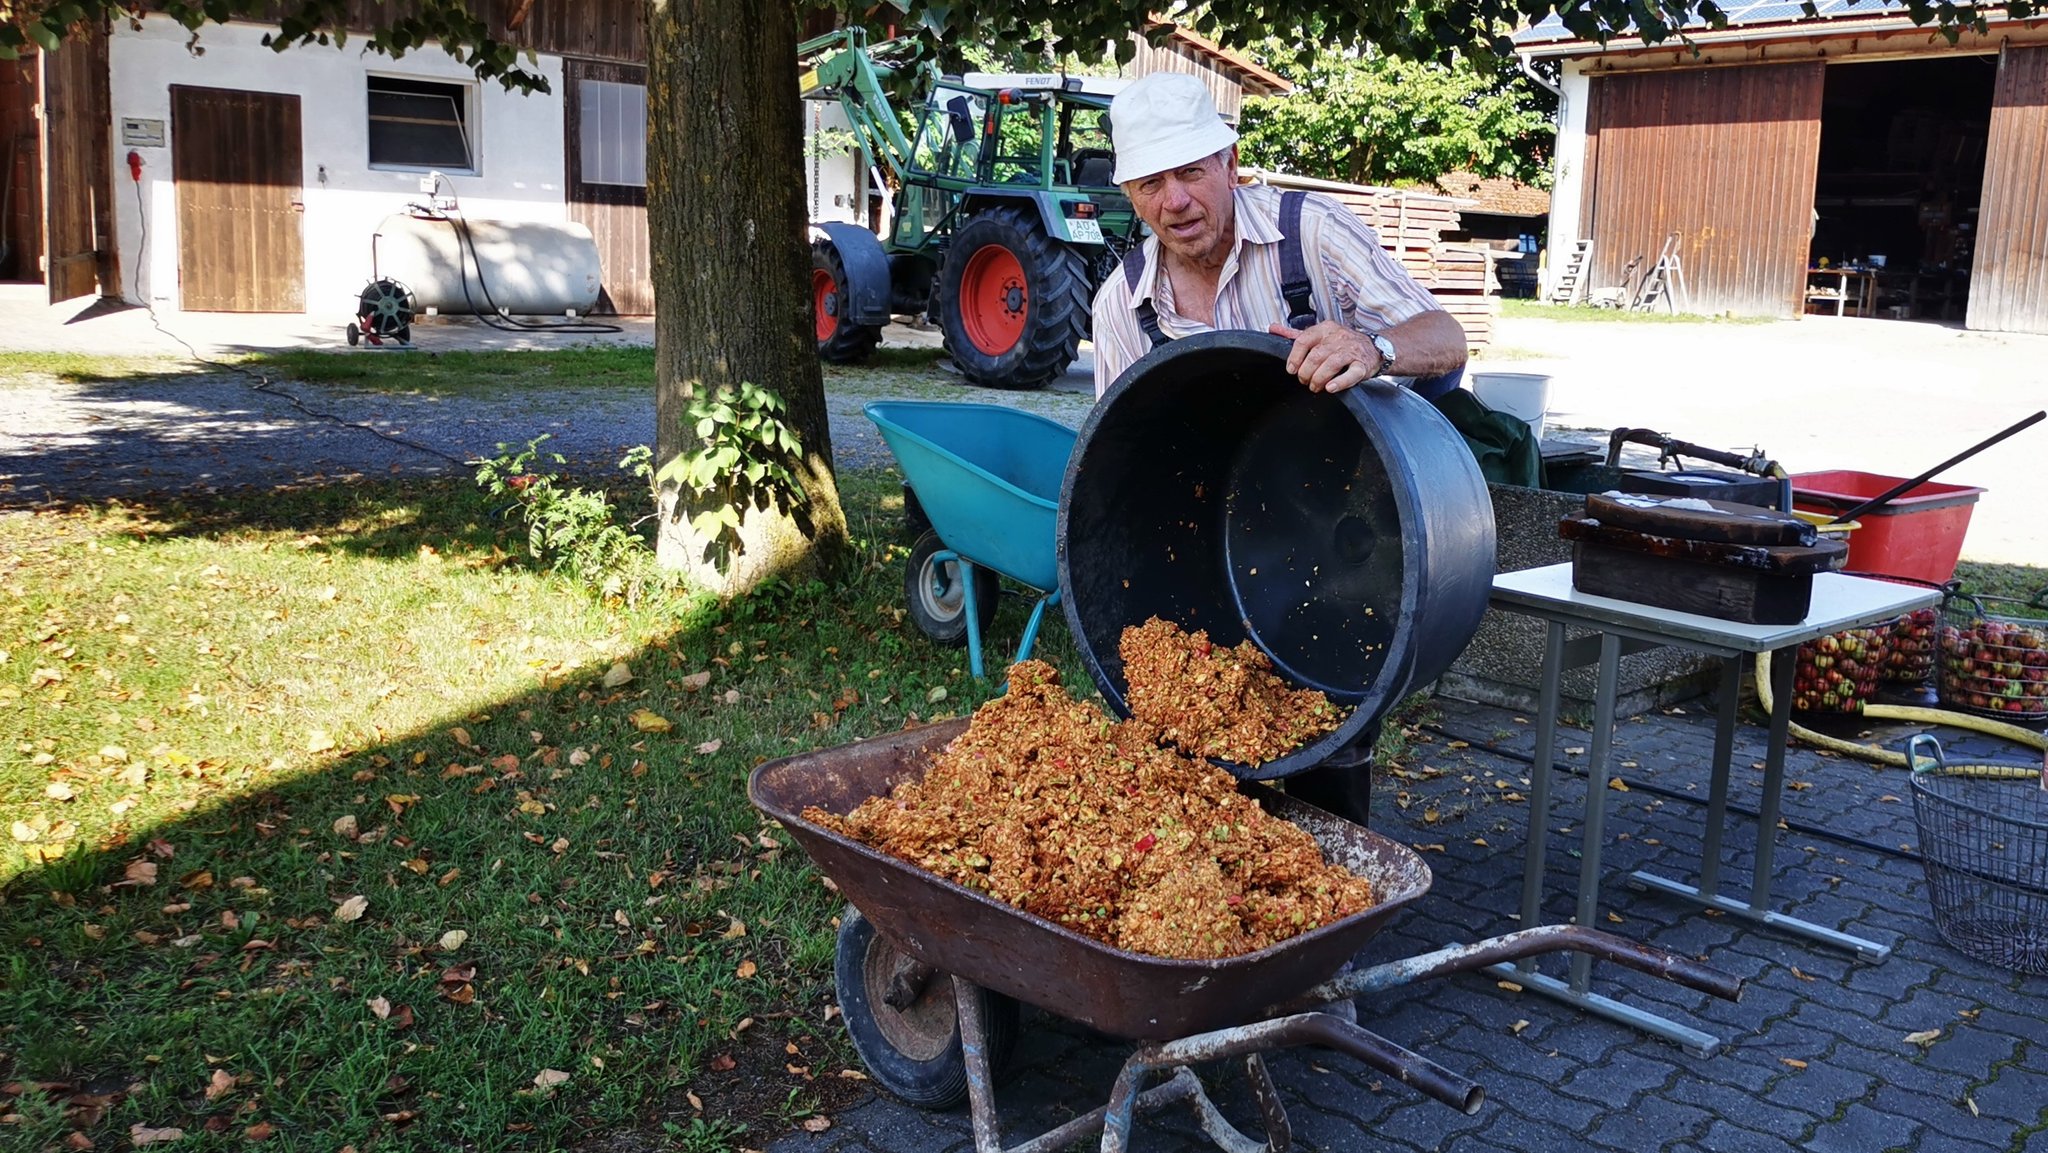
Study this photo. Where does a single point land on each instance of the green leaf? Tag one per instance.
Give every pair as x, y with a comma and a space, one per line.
46, 38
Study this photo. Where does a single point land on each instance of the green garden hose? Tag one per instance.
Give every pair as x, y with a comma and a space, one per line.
1912, 715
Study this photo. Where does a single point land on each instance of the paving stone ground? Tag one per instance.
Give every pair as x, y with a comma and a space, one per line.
1815, 1054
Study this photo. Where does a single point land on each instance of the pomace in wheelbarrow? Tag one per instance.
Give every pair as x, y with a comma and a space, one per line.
1212, 701
1047, 804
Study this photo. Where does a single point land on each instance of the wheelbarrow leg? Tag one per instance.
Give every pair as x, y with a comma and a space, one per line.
973, 615
1031, 627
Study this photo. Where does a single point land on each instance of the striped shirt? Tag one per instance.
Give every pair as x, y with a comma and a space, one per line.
1356, 282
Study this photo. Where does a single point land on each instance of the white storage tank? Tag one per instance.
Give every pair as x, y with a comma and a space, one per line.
529, 267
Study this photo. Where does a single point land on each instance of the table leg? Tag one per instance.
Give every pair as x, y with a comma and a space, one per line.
1769, 808
1539, 782
1717, 786
1592, 838
1576, 991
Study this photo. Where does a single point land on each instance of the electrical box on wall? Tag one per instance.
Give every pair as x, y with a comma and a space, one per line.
137, 132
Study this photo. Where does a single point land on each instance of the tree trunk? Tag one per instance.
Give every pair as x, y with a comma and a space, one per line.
731, 277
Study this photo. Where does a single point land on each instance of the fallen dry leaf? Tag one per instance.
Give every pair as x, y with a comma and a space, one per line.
453, 939
748, 969
221, 1084
549, 1078
722, 1063
620, 673
1923, 1038
140, 1135
709, 747
695, 1101
696, 681
138, 873
260, 1131
59, 791
352, 909
937, 694
379, 1007
1795, 1062
817, 1124
345, 826
1617, 784
648, 721
77, 1141
1518, 1026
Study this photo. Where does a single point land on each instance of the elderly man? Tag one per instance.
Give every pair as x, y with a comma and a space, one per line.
1219, 259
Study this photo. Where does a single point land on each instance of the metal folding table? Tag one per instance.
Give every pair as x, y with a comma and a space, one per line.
1620, 627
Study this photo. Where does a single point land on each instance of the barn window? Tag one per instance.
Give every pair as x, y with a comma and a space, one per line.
420, 124
612, 132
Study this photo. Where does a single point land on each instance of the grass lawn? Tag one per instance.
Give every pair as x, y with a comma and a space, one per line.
334, 823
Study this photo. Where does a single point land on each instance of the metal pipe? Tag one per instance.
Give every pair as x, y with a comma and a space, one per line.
1529, 70
1513, 947
1312, 1028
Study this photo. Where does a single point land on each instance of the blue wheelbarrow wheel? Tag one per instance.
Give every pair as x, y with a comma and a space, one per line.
913, 1051
937, 596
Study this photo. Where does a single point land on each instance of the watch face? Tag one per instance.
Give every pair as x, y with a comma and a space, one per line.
1386, 348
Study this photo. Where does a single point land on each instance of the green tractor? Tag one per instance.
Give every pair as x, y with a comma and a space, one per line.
1005, 221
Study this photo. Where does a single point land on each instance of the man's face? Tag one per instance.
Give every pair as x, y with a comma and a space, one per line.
1190, 208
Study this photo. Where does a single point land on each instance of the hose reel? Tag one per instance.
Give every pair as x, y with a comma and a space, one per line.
384, 311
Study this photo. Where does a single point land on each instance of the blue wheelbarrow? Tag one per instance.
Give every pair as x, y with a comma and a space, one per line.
988, 479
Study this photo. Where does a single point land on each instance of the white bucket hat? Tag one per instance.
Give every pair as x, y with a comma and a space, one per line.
1162, 121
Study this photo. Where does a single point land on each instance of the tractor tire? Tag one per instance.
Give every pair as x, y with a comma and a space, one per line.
839, 341
1013, 302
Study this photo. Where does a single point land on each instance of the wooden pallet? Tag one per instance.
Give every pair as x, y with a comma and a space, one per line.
1410, 226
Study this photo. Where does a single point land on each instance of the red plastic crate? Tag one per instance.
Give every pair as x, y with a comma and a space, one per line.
1919, 534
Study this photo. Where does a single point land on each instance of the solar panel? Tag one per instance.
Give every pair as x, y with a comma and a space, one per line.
1551, 28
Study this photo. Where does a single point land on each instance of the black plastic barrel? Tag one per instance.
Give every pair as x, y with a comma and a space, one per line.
1349, 536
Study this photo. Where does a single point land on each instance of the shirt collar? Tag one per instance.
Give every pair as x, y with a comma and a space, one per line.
1253, 227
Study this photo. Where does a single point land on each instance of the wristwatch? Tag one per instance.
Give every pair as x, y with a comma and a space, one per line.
1386, 351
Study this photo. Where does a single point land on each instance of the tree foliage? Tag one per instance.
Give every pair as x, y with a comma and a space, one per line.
1370, 118
724, 73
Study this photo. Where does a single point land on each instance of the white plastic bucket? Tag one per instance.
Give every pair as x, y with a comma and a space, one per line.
1525, 395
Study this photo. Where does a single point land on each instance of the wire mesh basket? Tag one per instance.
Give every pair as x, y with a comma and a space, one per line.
1984, 841
1994, 663
1839, 673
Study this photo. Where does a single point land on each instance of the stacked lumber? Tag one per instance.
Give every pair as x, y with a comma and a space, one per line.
1411, 225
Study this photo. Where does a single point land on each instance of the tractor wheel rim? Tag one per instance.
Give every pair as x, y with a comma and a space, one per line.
824, 294
994, 303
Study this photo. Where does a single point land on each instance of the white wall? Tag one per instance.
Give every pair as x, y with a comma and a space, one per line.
833, 184
520, 167
1568, 189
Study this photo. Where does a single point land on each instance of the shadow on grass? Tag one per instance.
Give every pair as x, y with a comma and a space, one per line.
511, 920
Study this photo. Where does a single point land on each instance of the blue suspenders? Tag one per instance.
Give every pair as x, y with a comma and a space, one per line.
1295, 287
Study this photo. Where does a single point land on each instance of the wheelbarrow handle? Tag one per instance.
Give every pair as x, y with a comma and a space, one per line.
1529, 943
1313, 1028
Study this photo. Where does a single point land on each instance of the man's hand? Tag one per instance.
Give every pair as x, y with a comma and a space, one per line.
1329, 357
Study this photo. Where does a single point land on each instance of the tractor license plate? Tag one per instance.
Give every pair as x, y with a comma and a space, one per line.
1084, 231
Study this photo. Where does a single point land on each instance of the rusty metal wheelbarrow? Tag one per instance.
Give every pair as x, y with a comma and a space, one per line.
933, 1041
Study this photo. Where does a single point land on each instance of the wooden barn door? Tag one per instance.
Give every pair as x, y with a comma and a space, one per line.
2009, 277
235, 158
605, 108
1727, 158
77, 211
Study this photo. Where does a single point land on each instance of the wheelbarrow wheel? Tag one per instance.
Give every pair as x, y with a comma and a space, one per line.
914, 1051
937, 596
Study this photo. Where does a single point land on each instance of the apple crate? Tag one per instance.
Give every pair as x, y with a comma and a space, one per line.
1995, 662
1840, 672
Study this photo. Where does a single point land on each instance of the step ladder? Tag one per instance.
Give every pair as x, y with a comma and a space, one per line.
1570, 285
1665, 281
